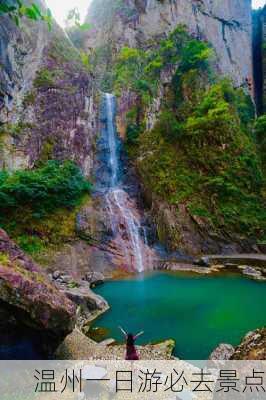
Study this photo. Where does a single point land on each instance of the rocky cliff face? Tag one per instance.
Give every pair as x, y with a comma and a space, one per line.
263, 22
259, 58
47, 107
21, 55
28, 299
226, 25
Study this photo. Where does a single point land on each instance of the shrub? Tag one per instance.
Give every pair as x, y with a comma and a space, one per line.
56, 184
260, 133
199, 153
44, 79
195, 54
260, 130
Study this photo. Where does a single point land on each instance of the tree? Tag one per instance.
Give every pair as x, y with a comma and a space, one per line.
16, 9
73, 19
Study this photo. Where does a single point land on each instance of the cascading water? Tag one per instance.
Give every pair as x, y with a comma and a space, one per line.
110, 107
125, 219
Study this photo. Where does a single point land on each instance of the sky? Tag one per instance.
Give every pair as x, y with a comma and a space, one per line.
258, 3
60, 8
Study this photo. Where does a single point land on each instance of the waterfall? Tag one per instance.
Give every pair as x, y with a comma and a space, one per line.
125, 219
112, 142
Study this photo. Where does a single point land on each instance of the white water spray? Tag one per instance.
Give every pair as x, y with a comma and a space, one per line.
112, 142
125, 220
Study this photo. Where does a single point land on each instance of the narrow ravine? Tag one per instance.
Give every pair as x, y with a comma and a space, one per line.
128, 233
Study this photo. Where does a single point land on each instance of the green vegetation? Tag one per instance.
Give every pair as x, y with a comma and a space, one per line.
260, 132
15, 130
202, 151
47, 151
36, 236
29, 99
62, 51
4, 259
42, 190
44, 79
140, 71
206, 160
74, 18
38, 207
17, 9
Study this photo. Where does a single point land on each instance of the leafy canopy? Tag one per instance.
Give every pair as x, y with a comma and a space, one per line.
56, 184
140, 70
73, 18
16, 9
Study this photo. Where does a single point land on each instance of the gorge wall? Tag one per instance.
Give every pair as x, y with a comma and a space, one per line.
48, 112
143, 25
259, 58
47, 107
226, 25
263, 46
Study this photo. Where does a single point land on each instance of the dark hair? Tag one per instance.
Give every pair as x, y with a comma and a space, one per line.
130, 339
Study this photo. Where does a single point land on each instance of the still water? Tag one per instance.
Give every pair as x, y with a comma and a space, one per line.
199, 312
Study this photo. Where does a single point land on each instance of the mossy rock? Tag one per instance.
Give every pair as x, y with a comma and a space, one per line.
98, 334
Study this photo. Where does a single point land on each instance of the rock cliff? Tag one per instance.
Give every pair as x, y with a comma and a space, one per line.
47, 106
259, 58
263, 43
226, 25
143, 25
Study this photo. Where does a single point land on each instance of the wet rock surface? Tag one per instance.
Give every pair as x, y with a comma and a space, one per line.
90, 305
254, 259
80, 259
30, 298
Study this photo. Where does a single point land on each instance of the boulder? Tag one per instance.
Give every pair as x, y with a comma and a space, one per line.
94, 278
222, 352
252, 347
252, 272
90, 305
30, 298
78, 346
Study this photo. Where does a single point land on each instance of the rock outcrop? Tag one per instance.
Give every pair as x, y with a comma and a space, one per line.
79, 347
222, 352
252, 347
28, 298
20, 56
90, 305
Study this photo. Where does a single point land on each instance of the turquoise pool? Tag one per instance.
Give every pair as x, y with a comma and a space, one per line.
199, 312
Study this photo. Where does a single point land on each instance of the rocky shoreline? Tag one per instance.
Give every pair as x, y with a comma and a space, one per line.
252, 266
61, 307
